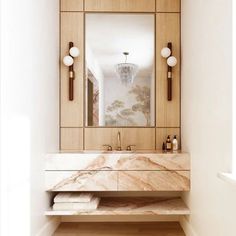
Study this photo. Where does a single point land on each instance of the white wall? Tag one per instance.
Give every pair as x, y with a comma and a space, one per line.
29, 108
206, 113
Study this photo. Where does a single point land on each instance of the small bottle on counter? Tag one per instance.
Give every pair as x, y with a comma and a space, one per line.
163, 147
175, 144
168, 144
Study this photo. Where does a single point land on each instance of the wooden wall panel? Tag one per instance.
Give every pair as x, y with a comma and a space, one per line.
162, 133
167, 30
71, 139
72, 5
72, 29
168, 5
95, 138
120, 5
143, 138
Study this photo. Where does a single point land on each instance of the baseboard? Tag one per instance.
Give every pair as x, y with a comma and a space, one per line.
50, 227
188, 229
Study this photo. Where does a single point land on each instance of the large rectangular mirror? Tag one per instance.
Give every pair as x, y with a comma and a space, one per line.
120, 69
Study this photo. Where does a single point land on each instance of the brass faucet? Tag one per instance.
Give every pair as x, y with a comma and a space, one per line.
129, 148
119, 142
108, 147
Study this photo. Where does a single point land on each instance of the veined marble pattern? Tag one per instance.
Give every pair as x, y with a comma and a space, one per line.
133, 206
154, 181
117, 181
118, 161
118, 172
81, 180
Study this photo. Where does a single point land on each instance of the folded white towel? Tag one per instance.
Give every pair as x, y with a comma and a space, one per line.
73, 197
76, 206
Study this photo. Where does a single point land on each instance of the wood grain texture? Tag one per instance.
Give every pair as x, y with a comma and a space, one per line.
95, 138
72, 5
72, 29
142, 138
71, 139
162, 133
168, 5
154, 181
120, 5
167, 30
120, 229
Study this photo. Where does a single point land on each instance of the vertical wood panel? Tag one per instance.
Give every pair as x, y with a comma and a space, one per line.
71, 5
162, 133
143, 138
120, 5
71, 139
168, 5
72, 29
167, 30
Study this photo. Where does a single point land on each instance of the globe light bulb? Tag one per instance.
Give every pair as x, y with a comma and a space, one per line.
68, 61
171, 61
74, 52
165, 52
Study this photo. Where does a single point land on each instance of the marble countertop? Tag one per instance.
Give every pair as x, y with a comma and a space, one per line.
149, 160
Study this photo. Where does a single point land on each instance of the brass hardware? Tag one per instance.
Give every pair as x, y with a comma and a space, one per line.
109, 147
71, 74
129, 147
119, 141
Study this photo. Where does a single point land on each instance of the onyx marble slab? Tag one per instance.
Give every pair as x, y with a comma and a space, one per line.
117, 180
118, 161
81, 181
133, 206
153, 181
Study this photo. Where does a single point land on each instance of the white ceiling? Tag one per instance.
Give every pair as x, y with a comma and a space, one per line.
109, 35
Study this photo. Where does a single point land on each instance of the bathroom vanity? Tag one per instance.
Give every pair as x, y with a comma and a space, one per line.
118, 102
118, 171
115, 172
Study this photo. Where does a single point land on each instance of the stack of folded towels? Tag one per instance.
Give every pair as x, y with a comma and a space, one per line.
75, 202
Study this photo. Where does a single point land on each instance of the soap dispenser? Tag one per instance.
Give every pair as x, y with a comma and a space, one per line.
168, 144
175, 144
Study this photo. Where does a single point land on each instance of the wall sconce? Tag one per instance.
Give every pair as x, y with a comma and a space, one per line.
171, 62
69, 61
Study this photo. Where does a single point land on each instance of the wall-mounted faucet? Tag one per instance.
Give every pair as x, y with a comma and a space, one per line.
118, 142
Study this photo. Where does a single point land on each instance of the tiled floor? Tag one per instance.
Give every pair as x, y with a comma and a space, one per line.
120, 229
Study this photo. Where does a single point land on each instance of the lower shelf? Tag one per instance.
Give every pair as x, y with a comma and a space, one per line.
120, 229
131, 206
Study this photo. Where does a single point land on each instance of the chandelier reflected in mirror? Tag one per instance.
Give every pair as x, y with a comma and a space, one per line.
126, 71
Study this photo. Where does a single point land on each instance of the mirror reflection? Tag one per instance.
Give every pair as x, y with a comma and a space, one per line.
120, 71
